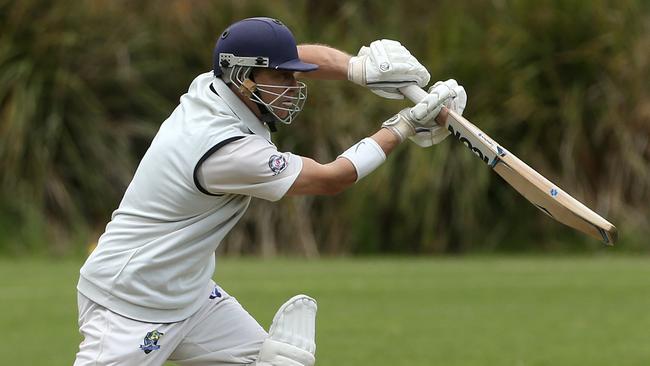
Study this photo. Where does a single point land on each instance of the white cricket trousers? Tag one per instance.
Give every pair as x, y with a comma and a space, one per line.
220, 333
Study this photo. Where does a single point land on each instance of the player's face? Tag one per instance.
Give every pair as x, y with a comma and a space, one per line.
275, 77
281, 80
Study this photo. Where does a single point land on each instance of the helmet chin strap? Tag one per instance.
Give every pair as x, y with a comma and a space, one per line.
265, 114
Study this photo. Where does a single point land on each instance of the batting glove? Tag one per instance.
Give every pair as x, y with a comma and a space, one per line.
386, 66
449, 94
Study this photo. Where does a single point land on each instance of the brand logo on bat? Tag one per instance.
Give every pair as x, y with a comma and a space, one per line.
467, 143
486, 139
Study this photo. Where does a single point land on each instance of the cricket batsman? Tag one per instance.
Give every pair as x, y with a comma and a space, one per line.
146, 293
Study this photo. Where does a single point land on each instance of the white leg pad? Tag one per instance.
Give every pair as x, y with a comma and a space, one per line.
291, 340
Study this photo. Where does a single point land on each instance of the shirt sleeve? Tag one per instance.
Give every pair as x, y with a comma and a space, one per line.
249, 166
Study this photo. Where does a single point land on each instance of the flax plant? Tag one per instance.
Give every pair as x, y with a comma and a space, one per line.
564, 85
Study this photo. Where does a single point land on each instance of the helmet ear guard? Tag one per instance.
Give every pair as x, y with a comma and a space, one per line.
246, 86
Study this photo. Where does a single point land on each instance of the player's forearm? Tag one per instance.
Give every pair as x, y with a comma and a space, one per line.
387, 140
332, 63
337, 176
323, 179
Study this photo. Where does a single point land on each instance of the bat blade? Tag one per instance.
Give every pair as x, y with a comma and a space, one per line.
541, 192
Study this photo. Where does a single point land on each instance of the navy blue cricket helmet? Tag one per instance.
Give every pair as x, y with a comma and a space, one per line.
258, 42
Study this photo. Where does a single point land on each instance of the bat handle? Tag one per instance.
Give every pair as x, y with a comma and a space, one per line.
414, 93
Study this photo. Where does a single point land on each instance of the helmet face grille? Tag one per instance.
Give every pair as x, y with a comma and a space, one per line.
291, 99
287, 100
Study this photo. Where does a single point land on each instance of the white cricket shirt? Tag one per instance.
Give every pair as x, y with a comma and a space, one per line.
155, 261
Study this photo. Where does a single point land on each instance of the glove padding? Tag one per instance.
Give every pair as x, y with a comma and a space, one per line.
449, 94
386, 66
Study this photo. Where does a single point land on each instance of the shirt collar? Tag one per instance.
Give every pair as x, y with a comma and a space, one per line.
241, 109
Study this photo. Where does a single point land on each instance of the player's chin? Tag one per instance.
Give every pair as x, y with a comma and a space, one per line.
283, 111
282, 114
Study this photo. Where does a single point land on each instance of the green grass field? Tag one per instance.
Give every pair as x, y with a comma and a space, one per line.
454, 311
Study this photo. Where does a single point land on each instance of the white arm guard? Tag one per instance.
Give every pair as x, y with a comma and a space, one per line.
366, 155
291, 337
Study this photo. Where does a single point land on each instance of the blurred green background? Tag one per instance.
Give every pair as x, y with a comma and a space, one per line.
562, 84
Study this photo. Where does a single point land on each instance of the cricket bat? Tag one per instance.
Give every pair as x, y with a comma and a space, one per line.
541, 192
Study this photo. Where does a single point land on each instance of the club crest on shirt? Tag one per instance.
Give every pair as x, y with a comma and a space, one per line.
277, 163
150, 342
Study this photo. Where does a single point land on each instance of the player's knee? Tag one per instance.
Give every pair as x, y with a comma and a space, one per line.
291, 337
274, 353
